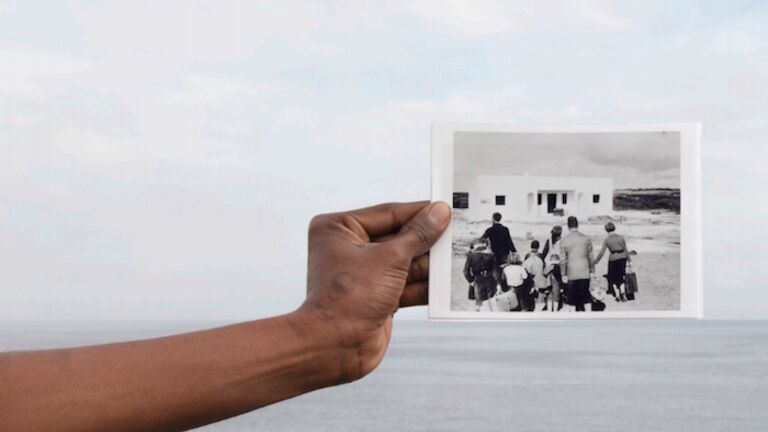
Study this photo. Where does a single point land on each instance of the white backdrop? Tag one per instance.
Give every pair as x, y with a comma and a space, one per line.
161, 160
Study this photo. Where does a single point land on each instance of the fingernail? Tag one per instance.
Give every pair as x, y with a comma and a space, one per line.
439, 213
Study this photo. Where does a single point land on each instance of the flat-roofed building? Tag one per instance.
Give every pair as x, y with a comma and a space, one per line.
533, 197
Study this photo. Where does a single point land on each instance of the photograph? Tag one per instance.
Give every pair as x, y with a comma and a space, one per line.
550, 223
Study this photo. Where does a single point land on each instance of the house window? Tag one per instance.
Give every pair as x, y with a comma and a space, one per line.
460, 200
596, 198
539, 199
565, 198
501, 199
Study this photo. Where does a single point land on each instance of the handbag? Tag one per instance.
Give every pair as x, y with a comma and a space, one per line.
503, 301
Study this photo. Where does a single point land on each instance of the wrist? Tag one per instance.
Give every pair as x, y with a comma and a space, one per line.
333, 357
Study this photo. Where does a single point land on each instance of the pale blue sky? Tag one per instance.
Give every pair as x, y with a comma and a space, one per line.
162, 159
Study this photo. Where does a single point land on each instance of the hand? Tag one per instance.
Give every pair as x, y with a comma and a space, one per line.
363, 265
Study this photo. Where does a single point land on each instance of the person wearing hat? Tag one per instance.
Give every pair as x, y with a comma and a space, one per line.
617, 261
480, 272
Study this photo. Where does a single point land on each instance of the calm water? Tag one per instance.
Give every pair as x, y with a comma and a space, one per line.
584, 376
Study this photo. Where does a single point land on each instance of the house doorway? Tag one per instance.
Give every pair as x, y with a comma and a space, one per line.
551, 202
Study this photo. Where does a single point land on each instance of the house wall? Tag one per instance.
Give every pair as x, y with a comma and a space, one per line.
521, 196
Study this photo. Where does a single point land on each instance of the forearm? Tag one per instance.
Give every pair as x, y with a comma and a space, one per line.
599, 255
170, 383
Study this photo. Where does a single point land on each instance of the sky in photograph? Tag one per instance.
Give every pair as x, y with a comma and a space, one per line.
161, 159
632, 159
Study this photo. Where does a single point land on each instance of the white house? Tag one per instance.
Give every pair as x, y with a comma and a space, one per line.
534, 198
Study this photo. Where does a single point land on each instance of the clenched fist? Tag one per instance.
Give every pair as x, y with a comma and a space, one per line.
364, 265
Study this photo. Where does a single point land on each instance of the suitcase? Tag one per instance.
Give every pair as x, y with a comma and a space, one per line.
503, 301
631, 280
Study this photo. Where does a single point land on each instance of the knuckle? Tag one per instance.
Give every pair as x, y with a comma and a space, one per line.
392, 214
421, 232
318, 223
348, 220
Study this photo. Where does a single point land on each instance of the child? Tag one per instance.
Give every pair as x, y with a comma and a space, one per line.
534, 265
514, 276
479, 271
552, 271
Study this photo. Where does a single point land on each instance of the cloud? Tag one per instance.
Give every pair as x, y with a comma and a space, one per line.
206, 90
25, 70
90, 146
170, 35
602, 17
633, 159
483, 19
476, 18
738, 42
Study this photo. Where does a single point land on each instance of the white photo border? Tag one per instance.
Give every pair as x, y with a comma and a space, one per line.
691, 284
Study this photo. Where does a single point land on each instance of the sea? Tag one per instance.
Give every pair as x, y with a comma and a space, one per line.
523, 376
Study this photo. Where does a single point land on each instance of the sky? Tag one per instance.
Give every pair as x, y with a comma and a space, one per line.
161, 160
631, 159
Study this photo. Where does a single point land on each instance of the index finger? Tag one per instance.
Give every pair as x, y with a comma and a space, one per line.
384, 219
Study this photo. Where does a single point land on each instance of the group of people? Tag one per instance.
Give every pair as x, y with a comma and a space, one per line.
554, 277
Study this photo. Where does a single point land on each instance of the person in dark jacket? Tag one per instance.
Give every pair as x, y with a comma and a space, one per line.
501, 241
480, 272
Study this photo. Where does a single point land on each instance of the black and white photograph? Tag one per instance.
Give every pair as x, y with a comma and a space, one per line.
552, 224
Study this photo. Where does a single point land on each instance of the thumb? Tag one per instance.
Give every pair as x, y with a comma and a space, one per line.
423, 230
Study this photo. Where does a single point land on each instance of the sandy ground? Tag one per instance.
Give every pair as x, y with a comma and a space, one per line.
654, 235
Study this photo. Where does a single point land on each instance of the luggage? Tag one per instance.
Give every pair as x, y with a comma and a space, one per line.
503, 301
471, 294
631, 281
598, 294
597, 305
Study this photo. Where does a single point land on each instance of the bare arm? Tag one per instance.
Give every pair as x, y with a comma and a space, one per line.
627, 252
171, 383
601, 253
341, 332
564, 260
